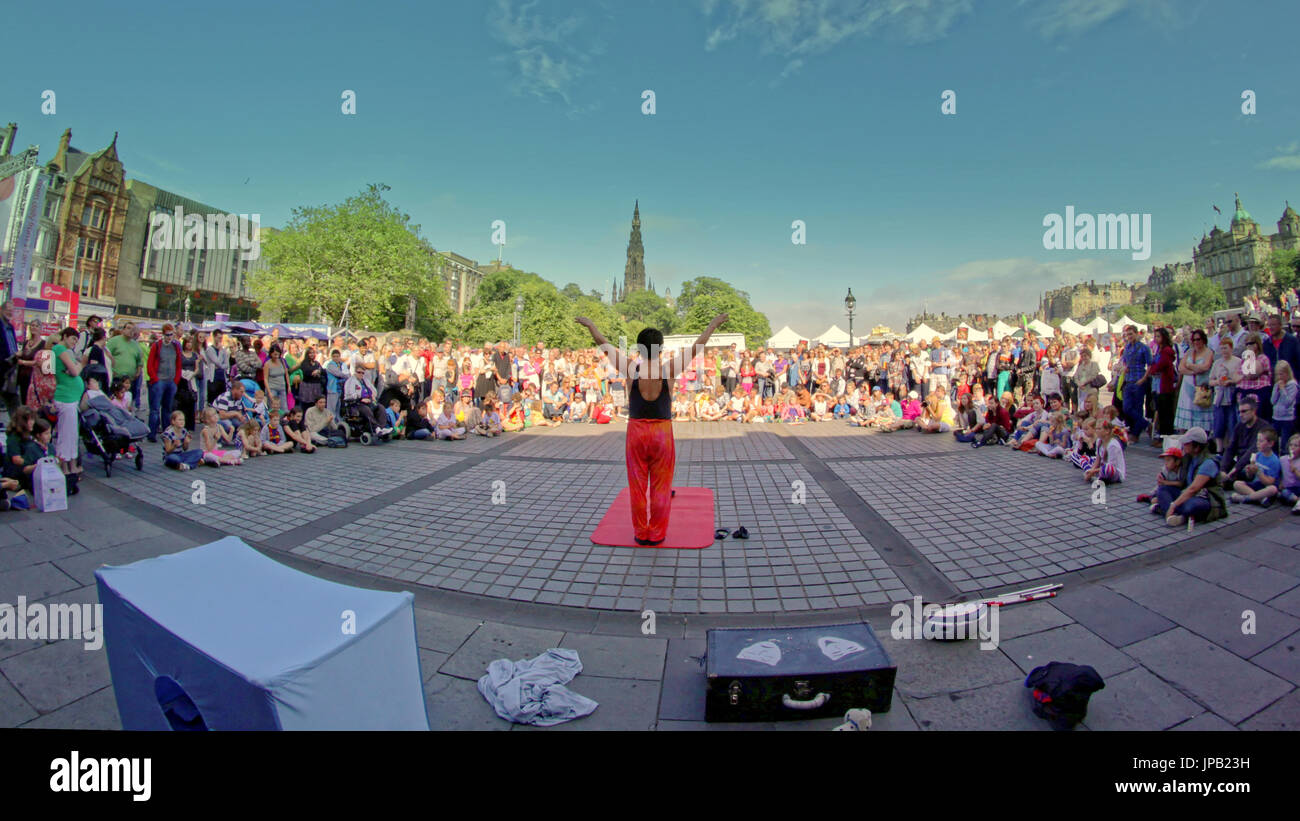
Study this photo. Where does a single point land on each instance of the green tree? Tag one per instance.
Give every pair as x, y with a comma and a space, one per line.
646, 309
1199, 295
548, 315
1281, 272
705, 297
362, 254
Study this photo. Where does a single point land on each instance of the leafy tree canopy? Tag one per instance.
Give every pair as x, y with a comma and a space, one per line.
362, 254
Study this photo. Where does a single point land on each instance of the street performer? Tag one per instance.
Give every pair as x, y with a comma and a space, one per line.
651, 453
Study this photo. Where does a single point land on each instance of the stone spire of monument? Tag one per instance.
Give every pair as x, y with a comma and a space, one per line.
634, 273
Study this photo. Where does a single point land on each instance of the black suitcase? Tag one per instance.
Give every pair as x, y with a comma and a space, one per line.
796, 673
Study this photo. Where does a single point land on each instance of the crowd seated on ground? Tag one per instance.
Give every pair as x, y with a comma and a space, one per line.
1232, 385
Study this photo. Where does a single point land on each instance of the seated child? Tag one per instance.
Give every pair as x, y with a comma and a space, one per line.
490, 423
250, 438
1264, 472
446, 426
514, 419
1055, 442
296, 429
176, 441
35, 448
1171, 475
273, 438
217, 441
1290, 491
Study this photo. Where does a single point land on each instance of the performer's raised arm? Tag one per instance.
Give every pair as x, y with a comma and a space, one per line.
682, 361
615, 356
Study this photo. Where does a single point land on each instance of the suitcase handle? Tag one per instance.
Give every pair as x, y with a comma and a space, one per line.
808, 704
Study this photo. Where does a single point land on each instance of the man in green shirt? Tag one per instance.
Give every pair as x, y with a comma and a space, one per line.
128, 359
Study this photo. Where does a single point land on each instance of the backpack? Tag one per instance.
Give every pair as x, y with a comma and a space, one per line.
1060, 692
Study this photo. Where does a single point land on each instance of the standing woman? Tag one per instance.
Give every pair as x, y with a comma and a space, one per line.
1162, 367
27, 357
275, 376
312, 386
67, 395
1194, 368
1257, 375
651, 454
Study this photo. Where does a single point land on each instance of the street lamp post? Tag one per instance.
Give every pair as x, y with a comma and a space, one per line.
519, 311
849, 304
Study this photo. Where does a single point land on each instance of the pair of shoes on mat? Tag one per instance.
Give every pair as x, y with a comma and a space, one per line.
721, 533
648, 543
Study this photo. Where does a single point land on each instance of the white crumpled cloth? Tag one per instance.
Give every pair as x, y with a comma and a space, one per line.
533, 691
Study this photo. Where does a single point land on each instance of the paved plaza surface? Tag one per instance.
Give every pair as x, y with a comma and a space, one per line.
492, 537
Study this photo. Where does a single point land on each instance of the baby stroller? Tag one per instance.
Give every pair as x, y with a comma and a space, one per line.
360, 428
111, 433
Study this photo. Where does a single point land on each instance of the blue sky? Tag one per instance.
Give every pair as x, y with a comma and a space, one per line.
767, 111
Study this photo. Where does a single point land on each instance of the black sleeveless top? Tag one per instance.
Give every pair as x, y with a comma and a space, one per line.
639, 408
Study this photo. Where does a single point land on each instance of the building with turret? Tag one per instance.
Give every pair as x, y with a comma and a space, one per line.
1234, 258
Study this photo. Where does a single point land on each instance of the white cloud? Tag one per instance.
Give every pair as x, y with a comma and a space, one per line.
544, 53
803, 27
996, 286
1288, 158
1053, 18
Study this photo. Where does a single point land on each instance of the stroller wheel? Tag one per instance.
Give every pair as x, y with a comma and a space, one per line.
365, 438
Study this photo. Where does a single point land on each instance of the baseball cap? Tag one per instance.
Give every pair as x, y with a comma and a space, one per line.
1177, 453
912, 395
1196, 435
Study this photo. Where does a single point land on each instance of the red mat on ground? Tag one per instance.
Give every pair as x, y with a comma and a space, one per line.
690, 523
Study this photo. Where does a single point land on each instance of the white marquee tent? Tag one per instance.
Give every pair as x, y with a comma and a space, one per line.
834, 336
1001, 329
1098, 326
785, 339
1071, 327
921, 332
1126, 320
1041, 328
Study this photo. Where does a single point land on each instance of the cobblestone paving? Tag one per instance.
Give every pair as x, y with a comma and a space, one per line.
837, 517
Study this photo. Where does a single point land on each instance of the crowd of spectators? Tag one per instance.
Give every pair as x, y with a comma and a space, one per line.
1223, 395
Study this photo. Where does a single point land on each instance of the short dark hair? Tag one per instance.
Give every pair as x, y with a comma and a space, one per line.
649, 338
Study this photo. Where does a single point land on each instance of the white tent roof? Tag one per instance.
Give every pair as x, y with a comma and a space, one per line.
1072, 327
785, 338
1098, 326
1127, 320
921, 331
1001, 329
1041, 328
834, 336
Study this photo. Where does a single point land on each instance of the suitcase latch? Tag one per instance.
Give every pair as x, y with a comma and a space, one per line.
733, 692
802, 690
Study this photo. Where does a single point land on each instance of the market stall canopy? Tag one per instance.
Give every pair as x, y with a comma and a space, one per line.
1071, 327
1098, 326
1125, 321
785, 339
1041, 328
834, 336
1001, 329
921, 332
